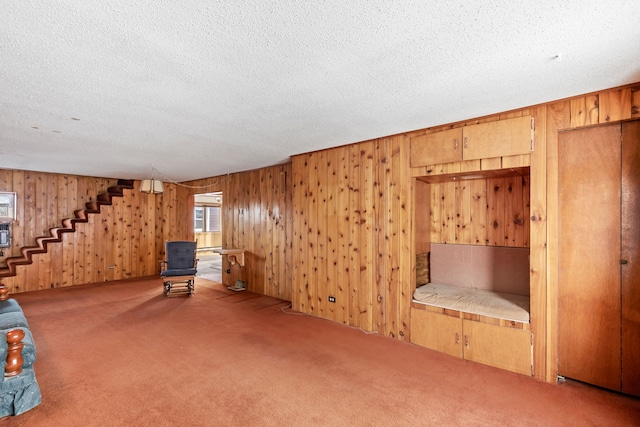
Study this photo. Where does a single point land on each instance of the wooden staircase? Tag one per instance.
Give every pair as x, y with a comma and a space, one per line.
68, 226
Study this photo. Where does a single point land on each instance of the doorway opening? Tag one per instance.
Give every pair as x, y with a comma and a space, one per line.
208, 232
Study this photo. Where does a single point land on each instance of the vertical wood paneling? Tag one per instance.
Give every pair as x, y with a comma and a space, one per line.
635, 102
117, 254
127, 214
463, 211
545, 299
321, 237
79, 239
422, 216
19, 226
136, 229
538, 243
435, 211
496, 227
448, 206
381, 264
370, 214
150, 232
312, 215
390, 248
57, 254
487, 212
68, 255
300, 243
269, 240
286, 221
406, 258
332, 196
513, 215
615, 105
526, 206
354, 234
584, 111
254, 219
478, 208
104, 243
343, 229
367, 227
269, 244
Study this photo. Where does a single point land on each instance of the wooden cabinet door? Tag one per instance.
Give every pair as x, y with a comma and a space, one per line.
630, 257
437, 331
589, 255
505, 348
436, 148
498, 139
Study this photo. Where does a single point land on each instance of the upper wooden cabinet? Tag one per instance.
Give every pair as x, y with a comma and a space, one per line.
483, 141
436, 148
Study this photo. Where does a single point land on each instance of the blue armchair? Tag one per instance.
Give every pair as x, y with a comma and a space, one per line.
19, 390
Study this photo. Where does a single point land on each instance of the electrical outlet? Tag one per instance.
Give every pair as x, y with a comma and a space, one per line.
332, 299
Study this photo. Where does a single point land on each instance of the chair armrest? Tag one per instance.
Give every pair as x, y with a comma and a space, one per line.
14, 360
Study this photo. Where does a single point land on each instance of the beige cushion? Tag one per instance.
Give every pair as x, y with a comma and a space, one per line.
476, 301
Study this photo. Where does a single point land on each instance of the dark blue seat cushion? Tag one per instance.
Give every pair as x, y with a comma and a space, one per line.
175, 273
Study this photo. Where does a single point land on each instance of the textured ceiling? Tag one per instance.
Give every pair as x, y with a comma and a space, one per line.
202, 88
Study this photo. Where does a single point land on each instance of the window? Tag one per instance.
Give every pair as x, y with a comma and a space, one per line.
213, 218
199, 219
207, 218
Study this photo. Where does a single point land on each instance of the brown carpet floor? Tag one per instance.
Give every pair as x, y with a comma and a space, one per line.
121, 354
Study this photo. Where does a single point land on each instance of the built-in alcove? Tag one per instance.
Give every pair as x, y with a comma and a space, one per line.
470, 228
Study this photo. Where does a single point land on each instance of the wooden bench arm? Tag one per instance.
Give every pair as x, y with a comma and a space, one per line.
4, 292
14, 363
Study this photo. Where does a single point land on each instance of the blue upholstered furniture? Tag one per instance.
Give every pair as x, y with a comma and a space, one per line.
178, 270
19, 390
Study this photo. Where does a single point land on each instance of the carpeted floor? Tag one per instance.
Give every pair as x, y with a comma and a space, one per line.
121, 354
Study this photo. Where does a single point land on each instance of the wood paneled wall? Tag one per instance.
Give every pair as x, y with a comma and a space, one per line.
256, 217
352, 235
209, 239
490, 211
118, 243
353, 226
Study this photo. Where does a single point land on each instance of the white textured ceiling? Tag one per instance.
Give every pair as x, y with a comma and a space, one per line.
203, 88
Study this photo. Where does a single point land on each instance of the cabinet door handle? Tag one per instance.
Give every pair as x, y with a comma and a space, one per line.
624, 261
455, 144
466, 142
466, 341
457, 338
